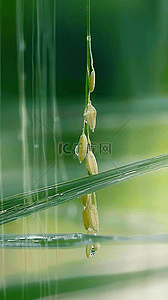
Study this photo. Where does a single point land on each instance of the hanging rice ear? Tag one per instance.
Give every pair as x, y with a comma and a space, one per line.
83, 149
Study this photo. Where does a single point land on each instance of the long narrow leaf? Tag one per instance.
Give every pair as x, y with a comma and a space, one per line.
72, 240
24, 204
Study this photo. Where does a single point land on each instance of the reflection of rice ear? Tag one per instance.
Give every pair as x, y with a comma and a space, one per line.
88, 250
96, 246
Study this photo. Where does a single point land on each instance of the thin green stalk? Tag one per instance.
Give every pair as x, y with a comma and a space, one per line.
27, 203
88, 37
87, 57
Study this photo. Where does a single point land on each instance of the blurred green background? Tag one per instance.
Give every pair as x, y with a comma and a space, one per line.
129, 43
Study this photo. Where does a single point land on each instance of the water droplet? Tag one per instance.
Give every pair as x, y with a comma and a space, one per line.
22, 46
20, 136
77, 150
22, 76
85, 112
56, 119
36, 146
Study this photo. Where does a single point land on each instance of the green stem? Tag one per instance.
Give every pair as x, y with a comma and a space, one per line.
88, 51
88, 16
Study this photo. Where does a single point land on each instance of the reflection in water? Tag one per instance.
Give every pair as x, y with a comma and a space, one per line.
91, 250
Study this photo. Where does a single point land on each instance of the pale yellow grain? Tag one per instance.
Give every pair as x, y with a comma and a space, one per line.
92, 81
91, 114
91, 163
82, 147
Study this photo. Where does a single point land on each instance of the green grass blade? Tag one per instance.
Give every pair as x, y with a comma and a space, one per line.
93, 283
72, 240
24, 204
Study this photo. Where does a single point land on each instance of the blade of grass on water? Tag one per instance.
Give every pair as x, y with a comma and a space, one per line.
23, 204
72, 240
